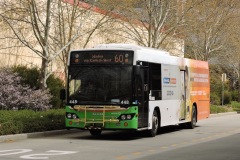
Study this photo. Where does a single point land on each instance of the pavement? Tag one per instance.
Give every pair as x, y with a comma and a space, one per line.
16, 137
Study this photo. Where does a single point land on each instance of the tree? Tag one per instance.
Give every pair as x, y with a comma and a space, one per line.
153, 23
212, 35
71, 17
47, 27
31, 26
206, 29
229, 59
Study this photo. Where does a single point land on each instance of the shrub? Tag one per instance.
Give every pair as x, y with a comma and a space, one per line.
27, 121
234, 95
227, 97
55, 85
14, 95
215, 99
30, 76
217, 109
235, 105
8, 125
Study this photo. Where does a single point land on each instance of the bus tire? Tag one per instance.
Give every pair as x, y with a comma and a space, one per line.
192, 124
155, 125
95, 132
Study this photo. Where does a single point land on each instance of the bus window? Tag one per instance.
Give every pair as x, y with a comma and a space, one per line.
155, 81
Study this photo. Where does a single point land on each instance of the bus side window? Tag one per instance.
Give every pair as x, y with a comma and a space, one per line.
155, 81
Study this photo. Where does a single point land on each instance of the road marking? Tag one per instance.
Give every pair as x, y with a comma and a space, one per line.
14, 151
120, 157
151, 150
34, 156
173, 145
137, 153
44, 155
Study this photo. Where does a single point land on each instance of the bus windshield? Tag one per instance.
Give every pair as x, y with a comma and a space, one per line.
100, 85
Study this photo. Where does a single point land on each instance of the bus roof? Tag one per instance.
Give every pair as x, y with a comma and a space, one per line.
129, 47
144, 53
150, 55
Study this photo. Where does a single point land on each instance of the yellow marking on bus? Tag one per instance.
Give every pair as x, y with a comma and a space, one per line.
164, 147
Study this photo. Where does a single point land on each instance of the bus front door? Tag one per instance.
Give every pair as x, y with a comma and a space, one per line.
143, 97
183, 97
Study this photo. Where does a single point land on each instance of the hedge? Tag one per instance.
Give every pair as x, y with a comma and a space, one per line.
27, 121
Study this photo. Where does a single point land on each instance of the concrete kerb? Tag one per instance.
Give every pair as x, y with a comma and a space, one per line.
15, 137
222, 114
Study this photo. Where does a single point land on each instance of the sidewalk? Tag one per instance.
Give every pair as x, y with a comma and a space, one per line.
15, 137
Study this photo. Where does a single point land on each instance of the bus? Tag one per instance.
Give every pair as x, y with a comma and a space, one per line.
129, 87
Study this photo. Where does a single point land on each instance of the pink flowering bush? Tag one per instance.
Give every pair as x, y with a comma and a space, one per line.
14, 95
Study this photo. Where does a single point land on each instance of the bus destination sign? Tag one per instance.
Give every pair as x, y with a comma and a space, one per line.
102, 57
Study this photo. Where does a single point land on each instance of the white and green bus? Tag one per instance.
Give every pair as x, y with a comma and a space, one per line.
129, 87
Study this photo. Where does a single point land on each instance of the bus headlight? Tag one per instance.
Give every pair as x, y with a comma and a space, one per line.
126, 116
74, 116
69, 116
129, 116
123, 117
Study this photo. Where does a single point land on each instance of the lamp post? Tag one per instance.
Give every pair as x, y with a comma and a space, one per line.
223, 80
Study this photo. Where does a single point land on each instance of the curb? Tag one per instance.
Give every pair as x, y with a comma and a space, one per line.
15, 137
222, 114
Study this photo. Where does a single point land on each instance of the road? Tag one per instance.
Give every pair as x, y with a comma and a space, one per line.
216, 138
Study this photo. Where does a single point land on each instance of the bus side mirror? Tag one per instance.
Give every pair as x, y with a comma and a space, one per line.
62, 94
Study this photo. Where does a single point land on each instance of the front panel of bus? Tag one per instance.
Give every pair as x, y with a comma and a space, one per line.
100, 90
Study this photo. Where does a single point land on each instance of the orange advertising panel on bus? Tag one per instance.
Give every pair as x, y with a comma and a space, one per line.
199, 83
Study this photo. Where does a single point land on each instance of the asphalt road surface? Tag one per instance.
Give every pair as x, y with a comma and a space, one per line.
216, 138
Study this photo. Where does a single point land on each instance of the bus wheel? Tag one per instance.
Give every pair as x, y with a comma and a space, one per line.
155, 125
193, 122
95, 132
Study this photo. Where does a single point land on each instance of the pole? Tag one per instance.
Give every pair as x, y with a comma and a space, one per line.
223, 80
222, 93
